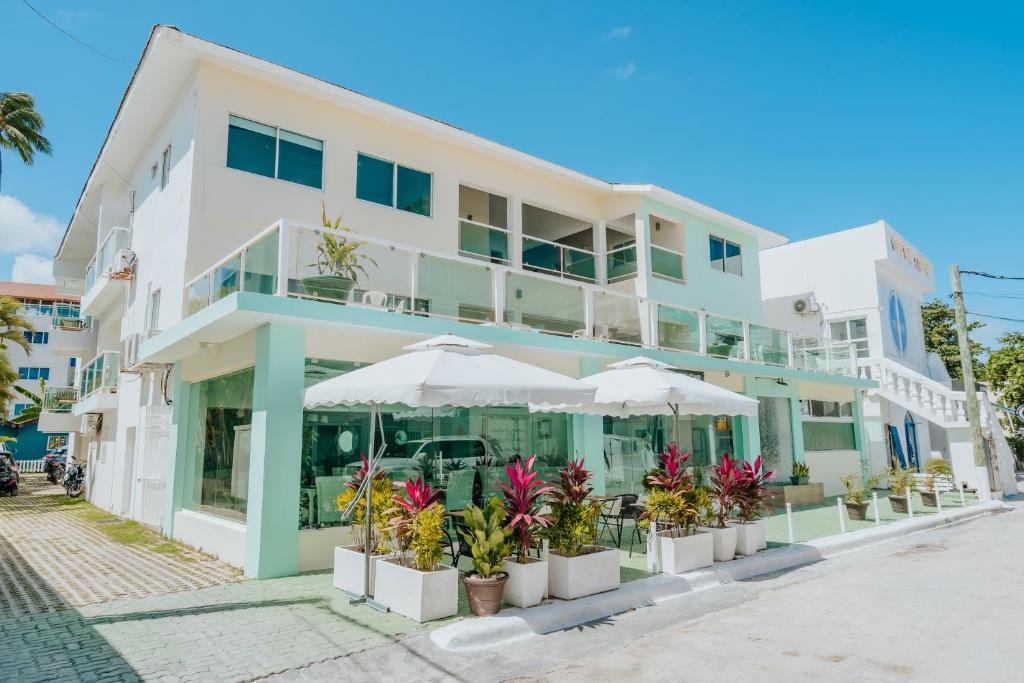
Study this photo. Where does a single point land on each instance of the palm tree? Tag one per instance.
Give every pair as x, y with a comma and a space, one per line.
21, 127
8, 376
31, 413
14, 325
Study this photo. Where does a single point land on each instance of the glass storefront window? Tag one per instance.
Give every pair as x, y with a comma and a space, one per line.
776, 429
223, 418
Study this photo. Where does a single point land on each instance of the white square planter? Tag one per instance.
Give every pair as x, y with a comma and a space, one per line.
748, 537
685, 553
763, 542
421, 596
724, 542
573, 577
527, 583
349, 573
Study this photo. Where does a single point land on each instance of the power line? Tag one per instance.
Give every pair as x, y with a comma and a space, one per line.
80, 42
996, 296
989, 275
996, 317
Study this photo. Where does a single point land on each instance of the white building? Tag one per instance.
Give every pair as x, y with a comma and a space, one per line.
865, 286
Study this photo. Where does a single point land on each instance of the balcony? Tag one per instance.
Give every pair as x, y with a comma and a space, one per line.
97, 386
403, 280
106, 273
558, 259
57, 414
667, 263
487, 242
621, 263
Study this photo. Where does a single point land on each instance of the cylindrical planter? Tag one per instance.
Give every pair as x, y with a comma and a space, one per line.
527, 582
574, 577
857, 511
748, 537
484, 594
898, 504
928, 499
724, 541
680, 554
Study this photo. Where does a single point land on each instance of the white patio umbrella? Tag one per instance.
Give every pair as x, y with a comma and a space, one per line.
444, 371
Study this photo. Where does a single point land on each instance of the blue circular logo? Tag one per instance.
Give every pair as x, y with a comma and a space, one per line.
898, 322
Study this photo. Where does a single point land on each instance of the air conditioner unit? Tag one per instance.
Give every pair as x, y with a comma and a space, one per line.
806, 305
123, 266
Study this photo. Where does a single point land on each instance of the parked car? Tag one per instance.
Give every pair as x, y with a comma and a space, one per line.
429, 458
9, 478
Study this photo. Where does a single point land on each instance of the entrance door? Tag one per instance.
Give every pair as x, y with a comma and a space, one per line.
913, 454
776, 427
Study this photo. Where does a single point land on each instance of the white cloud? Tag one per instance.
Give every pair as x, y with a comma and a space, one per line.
23, 230
32, 268
625, 71
620, 33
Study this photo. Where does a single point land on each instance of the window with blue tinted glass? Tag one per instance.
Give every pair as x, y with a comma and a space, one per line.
37, 337
375, 180
300, 159
19, 408
413, 191
725, 256
717, 253
733, 259
252, 146
34, 373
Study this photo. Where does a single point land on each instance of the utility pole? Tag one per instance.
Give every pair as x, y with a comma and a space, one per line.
981, 457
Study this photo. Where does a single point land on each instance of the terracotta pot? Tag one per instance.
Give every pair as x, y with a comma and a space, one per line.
857, 510
898, 503
484, 594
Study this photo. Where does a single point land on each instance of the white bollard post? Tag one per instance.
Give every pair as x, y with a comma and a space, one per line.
962, 503
938, 497
839, 509
910, 502
545, 555
789, 522
874, 506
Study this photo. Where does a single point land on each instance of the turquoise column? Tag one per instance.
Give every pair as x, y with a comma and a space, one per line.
180, 449
860, 435
749, 428
797, 427
275, 456
588, 435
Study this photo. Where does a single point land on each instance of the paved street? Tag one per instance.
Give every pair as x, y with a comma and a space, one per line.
938, 606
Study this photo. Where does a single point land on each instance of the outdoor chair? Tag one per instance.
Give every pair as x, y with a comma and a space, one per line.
459, 493
635, 510
455, 544
615, 512
374, 298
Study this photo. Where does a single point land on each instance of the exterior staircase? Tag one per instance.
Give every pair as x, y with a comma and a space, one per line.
911, 390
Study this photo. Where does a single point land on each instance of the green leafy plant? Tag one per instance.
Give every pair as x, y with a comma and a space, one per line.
856, 491
382, 515
425, 536
487, 537
574, 518
800, 469
754, 491
900, 479
338, 255
701, 499
671, 489
663, 507
418, 522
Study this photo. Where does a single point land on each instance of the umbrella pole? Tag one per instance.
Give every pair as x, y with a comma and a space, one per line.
371, 467
675, 411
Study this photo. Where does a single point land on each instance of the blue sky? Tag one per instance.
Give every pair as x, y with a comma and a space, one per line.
803, 117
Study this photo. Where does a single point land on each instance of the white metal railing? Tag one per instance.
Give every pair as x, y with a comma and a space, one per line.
668, 263
282, 261
116, 240
99, 374
60, 399
571, 262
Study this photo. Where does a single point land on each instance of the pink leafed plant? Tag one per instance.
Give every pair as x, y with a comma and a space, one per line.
575, 486
524, 497
671, 474
754, 489
418, 496
727, 483
360, 474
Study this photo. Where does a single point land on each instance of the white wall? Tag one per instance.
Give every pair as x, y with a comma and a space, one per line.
829, 468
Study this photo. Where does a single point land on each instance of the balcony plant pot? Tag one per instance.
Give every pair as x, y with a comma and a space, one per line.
484, 594
333, 287
527, 581
421, 596
898, 503
857, 511
683, 553
349, 572
799, 481
595, 571
748, 537
928, 499
723, 541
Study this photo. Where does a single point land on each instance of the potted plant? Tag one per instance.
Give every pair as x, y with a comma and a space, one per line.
801, 474
577, 566
672, 502
488, 540
900, 479
725, 484
338, 262
856, 495
415, 583
349, 563
939, 473
524, 498
752, 502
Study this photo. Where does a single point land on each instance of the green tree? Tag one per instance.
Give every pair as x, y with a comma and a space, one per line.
940, 336
1004, 372
31, 413
21, 127
13, 326
8, 376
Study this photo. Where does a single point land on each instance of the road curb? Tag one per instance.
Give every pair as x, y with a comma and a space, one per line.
515, 624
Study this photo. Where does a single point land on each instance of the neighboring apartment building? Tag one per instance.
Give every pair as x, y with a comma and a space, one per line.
865, 286
196, 243
59, 340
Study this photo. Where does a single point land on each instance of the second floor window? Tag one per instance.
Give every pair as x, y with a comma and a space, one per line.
37, 337
275, 152
854, 330
153, 315
725, 256
385, 182
34, 373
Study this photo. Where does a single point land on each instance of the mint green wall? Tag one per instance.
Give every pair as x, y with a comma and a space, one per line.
181, 447
860, 437
588, 433
791, 390
735, 296
272, 516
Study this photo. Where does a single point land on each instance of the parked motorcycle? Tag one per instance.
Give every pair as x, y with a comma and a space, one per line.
9, 478
54, 464
74, 480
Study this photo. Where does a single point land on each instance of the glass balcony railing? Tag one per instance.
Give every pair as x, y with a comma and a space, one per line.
399, 279
100, 265
558, 259
621, 262
59, 399
99, 374
667, 263
69, 323
478, 240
